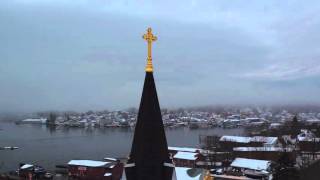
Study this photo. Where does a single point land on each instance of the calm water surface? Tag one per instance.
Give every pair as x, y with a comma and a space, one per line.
48, 147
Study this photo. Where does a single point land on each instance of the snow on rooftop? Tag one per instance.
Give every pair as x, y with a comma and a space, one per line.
242, 139
110, 159
313, 120
26, 166
264, 139
182, 174
185, 155
41, 120
253, 164
239, 139
88, 163
107, 174
310, 139
276, 149
275, 124
185, 149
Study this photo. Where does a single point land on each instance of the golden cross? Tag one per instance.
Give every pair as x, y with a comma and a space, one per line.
149, 37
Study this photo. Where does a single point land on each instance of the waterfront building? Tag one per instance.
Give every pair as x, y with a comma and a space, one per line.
33, 121
186, 159
252, 168
31, 171
94, 170
229, 142
264, 153
185, 156
307, 141
149, 157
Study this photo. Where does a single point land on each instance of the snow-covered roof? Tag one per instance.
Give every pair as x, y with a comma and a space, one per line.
26, 166
83, 121
239, 139
252, 118
276, 149
310, 139
182, 174
313, 120
88, 163
305, 135
264, 139
110, 159
41, 120
185, 149
253, 164
231, 120
275, 124
242, 139
185, 155
107, 174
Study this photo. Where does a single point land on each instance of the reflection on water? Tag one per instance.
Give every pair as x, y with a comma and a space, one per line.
48, 146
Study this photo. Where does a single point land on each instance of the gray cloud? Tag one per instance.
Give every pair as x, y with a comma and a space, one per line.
85, 54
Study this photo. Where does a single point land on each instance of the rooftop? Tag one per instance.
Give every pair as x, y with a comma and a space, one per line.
239, 139
88, 163
26, 166
186, 155
253, 164
107, 174
264, 139
184, 149
242, 139
275, 149
110, 159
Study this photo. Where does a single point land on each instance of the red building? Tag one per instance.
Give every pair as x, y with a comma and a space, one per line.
307, 141
264, 153
186, 159
309, 144
94, 170
227, 143
185, 156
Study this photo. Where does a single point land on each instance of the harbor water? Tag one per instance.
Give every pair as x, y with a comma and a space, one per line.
48, 147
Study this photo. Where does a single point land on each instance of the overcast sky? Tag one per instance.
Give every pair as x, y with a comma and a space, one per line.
89, 54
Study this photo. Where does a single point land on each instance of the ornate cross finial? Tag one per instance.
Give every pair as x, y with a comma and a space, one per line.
149, 37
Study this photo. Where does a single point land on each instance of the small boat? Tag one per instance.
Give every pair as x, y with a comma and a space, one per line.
9, 148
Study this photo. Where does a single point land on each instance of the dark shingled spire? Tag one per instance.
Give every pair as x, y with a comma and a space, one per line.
149, 157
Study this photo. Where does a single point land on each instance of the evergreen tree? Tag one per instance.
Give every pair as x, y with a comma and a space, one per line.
285, 169
52, 119
295, 127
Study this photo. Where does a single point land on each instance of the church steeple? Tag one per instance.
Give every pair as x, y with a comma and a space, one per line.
149, 158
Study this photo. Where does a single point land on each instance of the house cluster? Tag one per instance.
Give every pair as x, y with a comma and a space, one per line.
222, 164
256, 157
190, 160
231, 157
106, 169
198, 118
